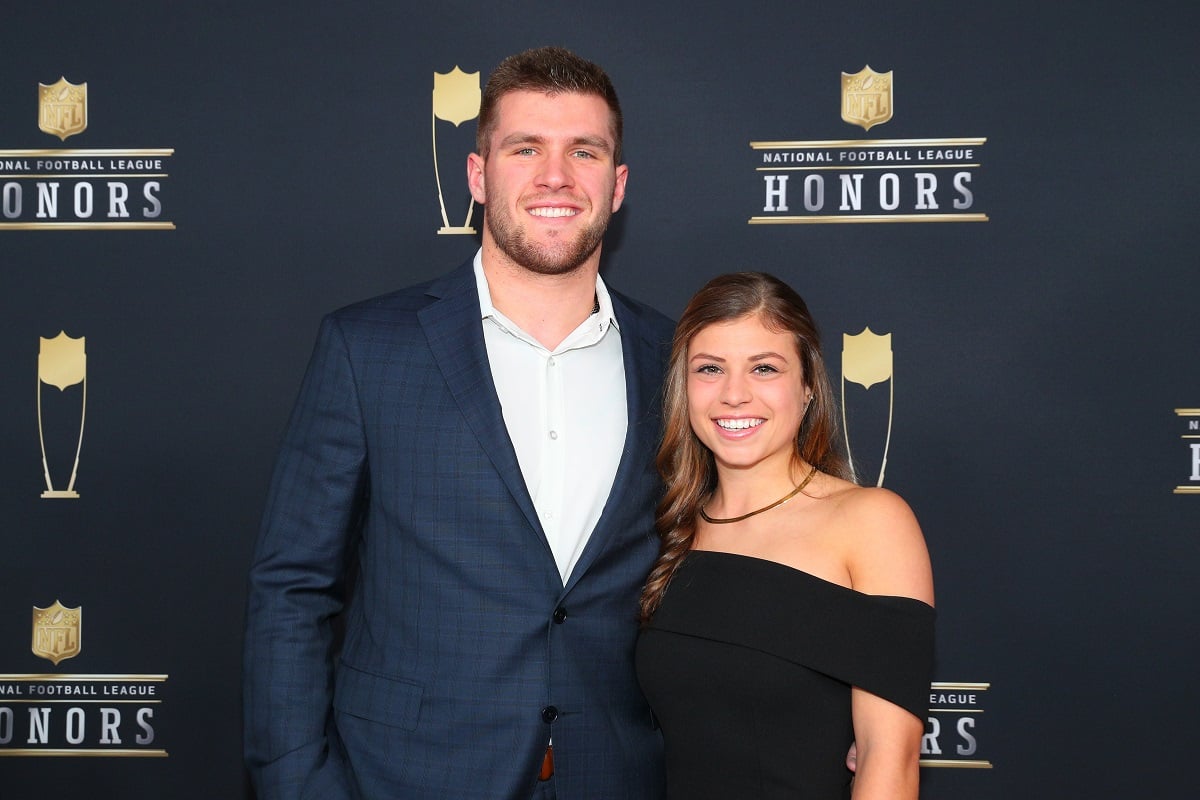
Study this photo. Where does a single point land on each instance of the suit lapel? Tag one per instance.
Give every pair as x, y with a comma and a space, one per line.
642, 380
455, 334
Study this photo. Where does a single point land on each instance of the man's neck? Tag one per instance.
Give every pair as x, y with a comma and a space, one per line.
547, 307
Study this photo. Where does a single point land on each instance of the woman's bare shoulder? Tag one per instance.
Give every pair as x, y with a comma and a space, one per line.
885, 549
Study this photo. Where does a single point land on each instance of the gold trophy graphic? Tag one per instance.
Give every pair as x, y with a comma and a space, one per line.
62, 362
867, 360
456, 96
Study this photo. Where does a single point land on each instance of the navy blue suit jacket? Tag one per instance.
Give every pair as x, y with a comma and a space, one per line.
463, 652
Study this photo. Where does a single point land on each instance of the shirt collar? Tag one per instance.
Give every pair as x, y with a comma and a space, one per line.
606, 316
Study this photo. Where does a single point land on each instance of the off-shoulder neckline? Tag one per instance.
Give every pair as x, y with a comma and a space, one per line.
790, 568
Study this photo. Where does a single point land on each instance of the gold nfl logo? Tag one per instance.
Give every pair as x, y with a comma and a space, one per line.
867, 97
62, 108
57, 632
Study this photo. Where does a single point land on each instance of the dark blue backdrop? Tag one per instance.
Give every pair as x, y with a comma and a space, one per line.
1039, 356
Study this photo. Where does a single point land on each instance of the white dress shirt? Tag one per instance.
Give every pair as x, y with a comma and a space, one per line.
566, 415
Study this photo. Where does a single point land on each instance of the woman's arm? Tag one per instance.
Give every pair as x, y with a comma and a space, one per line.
887, 556
888, 739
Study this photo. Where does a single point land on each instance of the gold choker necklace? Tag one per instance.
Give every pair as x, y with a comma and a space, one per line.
778, 502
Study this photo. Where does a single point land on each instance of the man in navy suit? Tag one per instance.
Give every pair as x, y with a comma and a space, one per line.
477, 452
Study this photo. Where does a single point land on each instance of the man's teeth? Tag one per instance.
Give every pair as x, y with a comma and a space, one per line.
553, 212
739, 424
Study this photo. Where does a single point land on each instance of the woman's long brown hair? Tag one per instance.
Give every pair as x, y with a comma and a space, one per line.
685, 464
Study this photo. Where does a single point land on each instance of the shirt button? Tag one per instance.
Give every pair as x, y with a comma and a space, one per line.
560, 615
549, 714
553, 434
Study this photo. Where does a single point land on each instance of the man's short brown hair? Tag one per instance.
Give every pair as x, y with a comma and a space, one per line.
552, 70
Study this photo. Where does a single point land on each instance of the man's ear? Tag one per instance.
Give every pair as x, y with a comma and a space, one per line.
475, 177
619, 187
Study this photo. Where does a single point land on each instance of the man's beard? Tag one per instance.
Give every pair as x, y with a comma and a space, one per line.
559, 257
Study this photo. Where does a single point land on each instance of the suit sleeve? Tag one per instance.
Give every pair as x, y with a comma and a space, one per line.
297, 583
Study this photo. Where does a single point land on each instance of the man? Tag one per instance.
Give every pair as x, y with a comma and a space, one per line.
478, 451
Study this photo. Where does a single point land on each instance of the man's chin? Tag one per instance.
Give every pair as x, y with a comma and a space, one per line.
557, 266
551, 260
561, 254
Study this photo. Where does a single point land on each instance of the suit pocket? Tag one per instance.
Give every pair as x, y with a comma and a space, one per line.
388, 701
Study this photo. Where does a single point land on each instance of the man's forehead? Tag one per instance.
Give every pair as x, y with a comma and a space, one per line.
519, 107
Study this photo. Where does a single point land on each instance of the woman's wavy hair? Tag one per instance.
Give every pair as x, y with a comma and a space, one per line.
685, 464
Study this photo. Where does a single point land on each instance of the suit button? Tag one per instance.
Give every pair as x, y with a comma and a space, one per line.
549, 714
560, 615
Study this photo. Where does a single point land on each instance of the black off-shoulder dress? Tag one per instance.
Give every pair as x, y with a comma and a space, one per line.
748, 666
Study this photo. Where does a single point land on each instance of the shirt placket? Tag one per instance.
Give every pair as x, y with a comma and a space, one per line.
553, 454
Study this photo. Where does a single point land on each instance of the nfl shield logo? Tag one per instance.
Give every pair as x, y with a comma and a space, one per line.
867, 97
62, 108
57, 632
867, 358
456, 95
62, 361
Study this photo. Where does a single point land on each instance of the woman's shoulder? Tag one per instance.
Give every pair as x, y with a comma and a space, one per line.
871, 504
885, 548
859, 506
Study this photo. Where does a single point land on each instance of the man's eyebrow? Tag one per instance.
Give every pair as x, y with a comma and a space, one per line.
519, 137
598, 142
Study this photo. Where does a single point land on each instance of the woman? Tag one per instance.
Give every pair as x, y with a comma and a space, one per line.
790, 613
